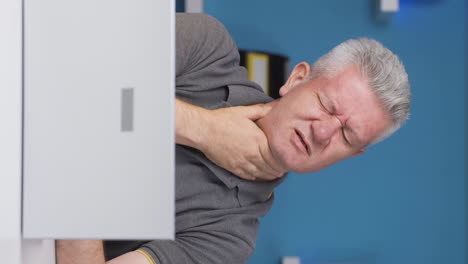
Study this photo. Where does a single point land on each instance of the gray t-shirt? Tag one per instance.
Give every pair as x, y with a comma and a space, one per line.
216, 212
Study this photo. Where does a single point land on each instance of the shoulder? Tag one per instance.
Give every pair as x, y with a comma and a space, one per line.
196, 18
201, 30
199, 22
202, 42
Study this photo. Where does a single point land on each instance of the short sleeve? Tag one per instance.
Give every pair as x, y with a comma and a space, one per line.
202, 41
206, 56
227, 239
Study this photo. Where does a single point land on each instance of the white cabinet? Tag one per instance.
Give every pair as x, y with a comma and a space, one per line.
98, 119
89, 152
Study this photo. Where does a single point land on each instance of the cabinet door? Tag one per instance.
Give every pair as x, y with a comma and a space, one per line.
98, 119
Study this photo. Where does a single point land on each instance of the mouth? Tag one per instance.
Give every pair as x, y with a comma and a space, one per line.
303, 141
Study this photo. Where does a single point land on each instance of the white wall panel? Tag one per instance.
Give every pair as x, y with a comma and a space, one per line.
10, 131
38, 251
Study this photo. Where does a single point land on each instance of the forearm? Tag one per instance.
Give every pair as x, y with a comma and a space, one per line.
79, 252
190, 124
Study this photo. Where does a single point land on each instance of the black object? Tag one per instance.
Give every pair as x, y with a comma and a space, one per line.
269, 70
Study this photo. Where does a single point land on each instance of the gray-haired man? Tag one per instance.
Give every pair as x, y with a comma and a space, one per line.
356, 95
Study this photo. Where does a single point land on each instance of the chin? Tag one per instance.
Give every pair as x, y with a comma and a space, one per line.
287, 155
292, 162
299, 168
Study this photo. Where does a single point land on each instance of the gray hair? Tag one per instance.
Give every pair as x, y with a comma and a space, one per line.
384, 71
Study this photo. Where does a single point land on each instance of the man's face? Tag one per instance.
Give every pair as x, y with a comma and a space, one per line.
319, 122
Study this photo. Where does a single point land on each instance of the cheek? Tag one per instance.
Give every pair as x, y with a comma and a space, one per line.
278, 140
283, 151
339, 153
329, 156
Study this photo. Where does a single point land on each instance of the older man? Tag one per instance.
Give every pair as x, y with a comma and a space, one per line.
354, 96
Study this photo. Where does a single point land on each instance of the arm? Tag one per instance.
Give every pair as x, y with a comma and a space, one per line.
79, 251
229, 137
197, 247
206, 57
91, 251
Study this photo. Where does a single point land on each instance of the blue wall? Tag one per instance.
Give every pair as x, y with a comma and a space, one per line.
404, 201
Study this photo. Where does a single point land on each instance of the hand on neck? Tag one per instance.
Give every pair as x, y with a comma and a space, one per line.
262, 123
263, 119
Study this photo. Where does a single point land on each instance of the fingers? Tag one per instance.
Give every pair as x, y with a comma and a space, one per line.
262, 165
269, 161
257, 169
265, 171
268, 173
247, 153
254, 112
252, 172
254, 169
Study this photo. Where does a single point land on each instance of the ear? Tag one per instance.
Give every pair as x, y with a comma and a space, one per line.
359, 152
298, 74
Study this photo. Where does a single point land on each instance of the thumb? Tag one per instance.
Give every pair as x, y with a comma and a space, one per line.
254, 112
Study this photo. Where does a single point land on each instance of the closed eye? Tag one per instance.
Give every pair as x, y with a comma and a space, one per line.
328, 112
344, 136
321, 104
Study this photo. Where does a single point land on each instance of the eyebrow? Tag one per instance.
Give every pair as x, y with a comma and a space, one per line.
356, 137
331, 103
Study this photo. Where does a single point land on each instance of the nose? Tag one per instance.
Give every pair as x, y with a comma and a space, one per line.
324, 129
